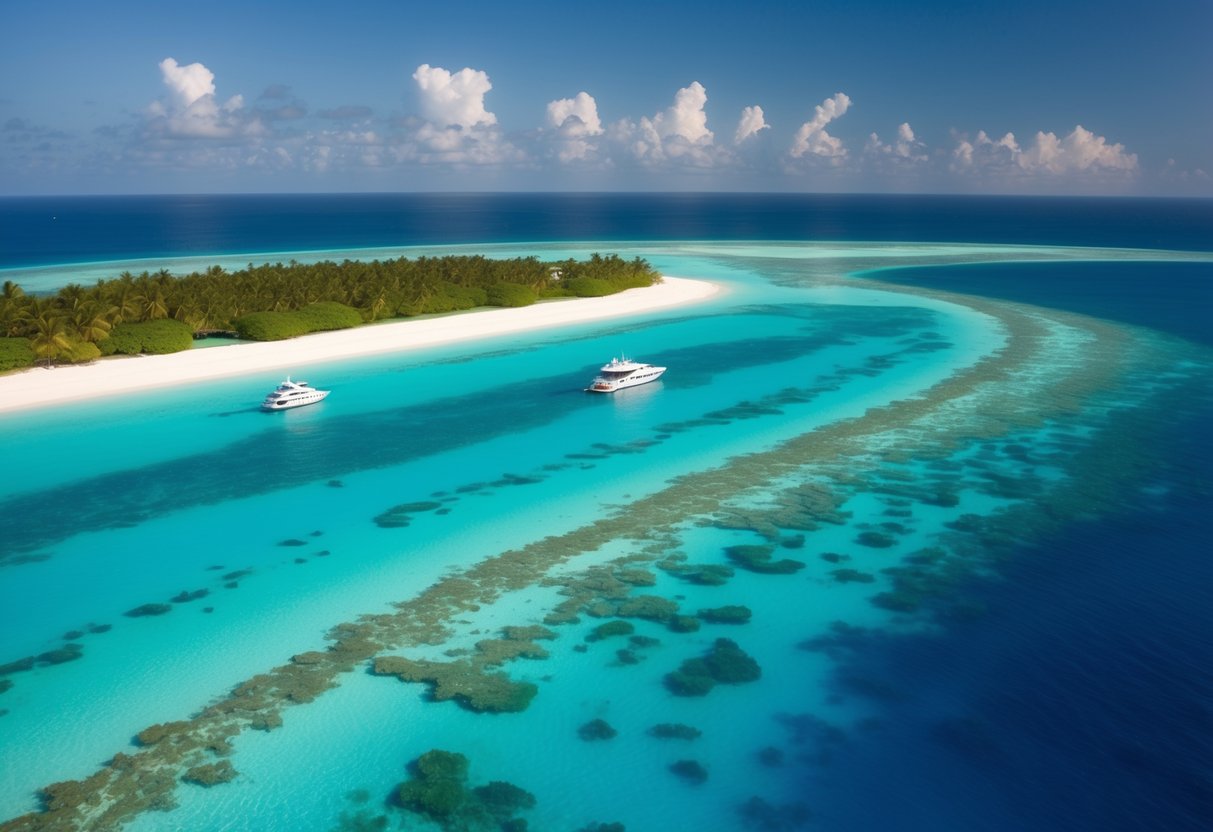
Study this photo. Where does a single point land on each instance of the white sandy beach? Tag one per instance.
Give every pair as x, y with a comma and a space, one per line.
41, 386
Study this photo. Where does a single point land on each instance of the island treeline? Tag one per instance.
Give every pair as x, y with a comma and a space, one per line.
158, 313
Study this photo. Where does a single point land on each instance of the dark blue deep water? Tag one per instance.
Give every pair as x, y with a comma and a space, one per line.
1171, 297
50, 230
1081, 700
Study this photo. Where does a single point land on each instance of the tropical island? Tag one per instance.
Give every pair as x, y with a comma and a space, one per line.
161, 313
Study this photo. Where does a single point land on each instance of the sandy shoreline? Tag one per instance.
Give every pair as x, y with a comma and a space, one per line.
42, 387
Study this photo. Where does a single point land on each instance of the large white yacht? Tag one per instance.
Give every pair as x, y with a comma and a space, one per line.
621, 373
292, 394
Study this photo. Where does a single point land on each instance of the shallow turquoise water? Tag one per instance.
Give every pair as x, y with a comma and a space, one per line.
159, 494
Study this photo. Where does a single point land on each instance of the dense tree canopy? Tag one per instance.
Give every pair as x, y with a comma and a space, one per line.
75, 323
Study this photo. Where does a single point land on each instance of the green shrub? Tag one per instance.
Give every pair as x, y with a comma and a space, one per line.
82, 352
270, 326
590, 287
328, 315
315, 317
16, 353
510, 294
148, 337
464, 297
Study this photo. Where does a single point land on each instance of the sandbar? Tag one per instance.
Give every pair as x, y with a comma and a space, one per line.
43, 386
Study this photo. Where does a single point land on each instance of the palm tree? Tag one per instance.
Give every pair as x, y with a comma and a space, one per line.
50, 339
124, 300
90, 321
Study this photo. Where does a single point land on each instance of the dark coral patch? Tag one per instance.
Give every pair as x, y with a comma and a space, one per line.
597, 729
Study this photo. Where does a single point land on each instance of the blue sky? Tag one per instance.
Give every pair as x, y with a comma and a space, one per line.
1068, 96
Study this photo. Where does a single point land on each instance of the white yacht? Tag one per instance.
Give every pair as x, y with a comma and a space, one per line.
621, 373
292, 394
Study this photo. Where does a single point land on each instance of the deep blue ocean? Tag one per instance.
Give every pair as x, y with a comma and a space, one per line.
1080, 699
50, 230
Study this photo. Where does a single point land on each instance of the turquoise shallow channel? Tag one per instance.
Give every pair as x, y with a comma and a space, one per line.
641, 609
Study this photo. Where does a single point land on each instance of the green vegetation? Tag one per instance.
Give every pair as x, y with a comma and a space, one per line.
147, 337
16, 353
156, 313
511, 294
315, 317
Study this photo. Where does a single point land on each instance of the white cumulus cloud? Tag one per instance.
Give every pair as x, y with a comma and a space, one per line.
578, 115
686, 119
812, 140
905, 152
751, 121
192, 111
453, 99
573, 124
677, 134
187, 83
1080, 153
456, 129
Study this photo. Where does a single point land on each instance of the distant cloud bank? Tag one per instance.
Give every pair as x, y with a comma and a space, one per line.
189, 127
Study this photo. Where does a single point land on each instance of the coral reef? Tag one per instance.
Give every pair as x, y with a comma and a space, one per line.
649, 607
683, 624
759, 559
770, 756
853, 576
185, 596
675, 731
534, 632
757, 813
148, 609
399, 516
437, 788
725, 663
876, 540
728, 614
596, 729
705, 574
609, 629
691, 771
463, 681
210, 774
503, 800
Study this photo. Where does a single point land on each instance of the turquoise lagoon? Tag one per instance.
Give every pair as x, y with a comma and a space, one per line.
898, 445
